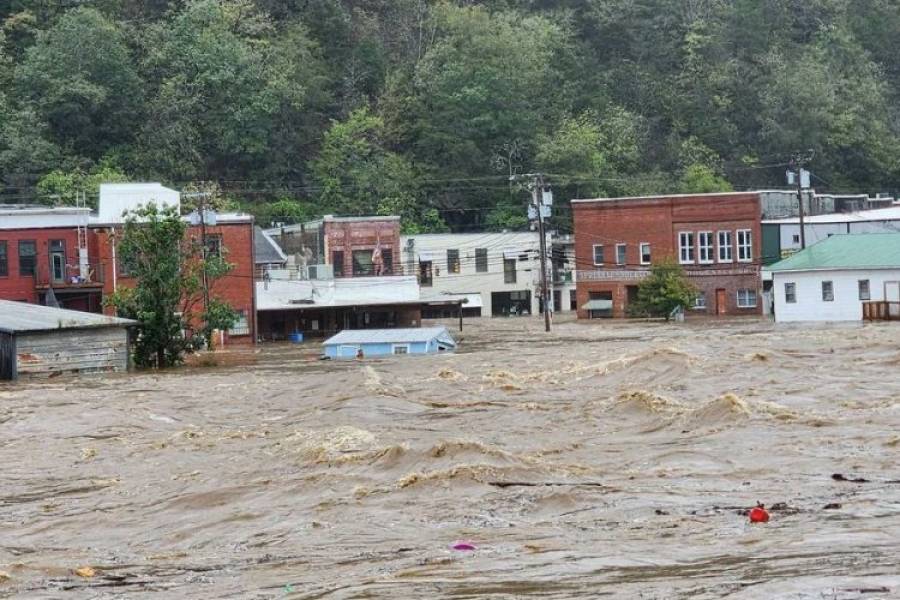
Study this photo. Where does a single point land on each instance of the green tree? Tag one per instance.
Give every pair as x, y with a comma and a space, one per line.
63, 187
79, 78
662, 291
167, 297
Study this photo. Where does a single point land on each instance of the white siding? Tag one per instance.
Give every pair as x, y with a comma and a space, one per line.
468, 280
846, 305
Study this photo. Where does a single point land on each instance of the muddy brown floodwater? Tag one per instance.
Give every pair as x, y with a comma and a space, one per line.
602, 460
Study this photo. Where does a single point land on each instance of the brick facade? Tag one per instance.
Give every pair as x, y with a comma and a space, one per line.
347, 235
659, 221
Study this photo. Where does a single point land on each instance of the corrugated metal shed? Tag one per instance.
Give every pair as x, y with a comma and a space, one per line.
20, 317
388, 336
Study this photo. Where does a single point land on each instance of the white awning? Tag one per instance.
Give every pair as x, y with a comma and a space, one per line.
598, 305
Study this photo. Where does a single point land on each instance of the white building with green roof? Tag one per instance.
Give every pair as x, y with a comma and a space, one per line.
831, 280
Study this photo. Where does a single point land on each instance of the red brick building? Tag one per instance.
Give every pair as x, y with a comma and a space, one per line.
66, 254
715, 237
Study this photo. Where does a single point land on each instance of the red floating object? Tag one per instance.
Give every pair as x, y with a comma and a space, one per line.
464, 546
759, 514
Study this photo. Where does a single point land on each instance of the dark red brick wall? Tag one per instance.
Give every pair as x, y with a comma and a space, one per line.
658, 221
348, 236
22, 288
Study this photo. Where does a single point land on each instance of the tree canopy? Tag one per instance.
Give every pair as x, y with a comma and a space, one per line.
426, 108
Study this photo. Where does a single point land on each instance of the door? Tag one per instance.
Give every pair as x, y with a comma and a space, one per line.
721, 305
892, 297
58, 261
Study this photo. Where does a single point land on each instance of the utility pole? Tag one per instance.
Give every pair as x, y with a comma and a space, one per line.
796, 165
536, 211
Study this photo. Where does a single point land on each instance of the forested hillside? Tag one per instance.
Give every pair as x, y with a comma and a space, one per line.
424, 108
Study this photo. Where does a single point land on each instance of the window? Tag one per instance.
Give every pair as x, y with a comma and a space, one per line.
746, 298
426, 279
4, 260
725, 250
27, 257
686, 247
509, 270
337, 262
241, 325
58, 260
621, 250
706, 246
400, 348
700, 301
864, 292
598, 254
453, 261
827, 291
481, 260
790, 293
213, 245
362, 263
645, 253
387, 261
796, 238
745, 245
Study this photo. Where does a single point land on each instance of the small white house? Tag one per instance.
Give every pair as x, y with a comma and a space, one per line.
833, 279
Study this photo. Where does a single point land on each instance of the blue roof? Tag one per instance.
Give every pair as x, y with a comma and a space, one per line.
390, 336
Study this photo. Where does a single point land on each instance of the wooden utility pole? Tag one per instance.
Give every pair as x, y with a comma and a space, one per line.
537, 192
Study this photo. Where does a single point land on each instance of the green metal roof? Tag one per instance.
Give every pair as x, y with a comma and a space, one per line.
846, 251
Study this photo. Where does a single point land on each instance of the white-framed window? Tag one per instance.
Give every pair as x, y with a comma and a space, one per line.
746, 298
827, 291
790, 293
598, 254
726, 253
645, 253
400, 349
705, 244
865, 292
686, 247
621, 251
745, 245
700, 302
241, 324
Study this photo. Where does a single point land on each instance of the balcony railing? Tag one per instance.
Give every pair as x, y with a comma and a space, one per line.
881, 311
90, 275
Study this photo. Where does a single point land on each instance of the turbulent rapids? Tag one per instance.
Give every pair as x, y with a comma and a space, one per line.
613, 460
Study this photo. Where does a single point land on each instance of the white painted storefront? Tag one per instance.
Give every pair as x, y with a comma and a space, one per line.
503, 269
831, 295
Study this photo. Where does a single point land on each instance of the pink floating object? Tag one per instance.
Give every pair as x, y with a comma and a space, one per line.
464, 546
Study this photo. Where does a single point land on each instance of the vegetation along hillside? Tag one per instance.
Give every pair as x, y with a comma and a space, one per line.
296, 108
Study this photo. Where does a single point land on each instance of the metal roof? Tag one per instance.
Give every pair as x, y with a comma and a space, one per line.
846, 251
389, 336
20, 317
266, 250
891, 213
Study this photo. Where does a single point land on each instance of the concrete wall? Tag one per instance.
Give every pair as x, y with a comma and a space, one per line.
846, 305
469, 281
72, 351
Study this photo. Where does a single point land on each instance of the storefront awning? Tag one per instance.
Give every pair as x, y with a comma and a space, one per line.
598, 305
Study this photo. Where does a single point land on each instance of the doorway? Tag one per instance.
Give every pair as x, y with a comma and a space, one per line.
892, 297
58, 261
721, 302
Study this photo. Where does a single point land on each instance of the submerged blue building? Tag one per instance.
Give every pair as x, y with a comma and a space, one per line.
386, 342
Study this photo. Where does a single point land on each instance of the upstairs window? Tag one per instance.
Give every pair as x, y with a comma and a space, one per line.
28, 258
745, 245
453, 261
598, 254
481, 260
337, 262
4, 260
686, 247
387, 261
645, 253
213, 246
362, 263
706, 246
725, 250
509, 270
621, 251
